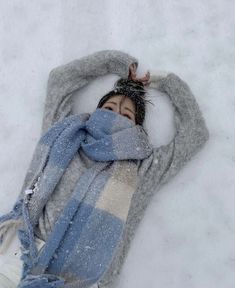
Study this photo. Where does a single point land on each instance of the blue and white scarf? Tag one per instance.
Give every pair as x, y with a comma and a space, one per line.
84, 239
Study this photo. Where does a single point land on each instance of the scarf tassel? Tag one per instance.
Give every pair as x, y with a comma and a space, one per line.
42, 281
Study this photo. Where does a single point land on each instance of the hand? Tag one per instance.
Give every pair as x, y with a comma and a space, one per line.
133, 76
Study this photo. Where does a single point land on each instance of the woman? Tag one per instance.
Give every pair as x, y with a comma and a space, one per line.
92, 176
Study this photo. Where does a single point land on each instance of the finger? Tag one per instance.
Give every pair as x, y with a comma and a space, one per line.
130, 71
143, 79
135, 67
133, 70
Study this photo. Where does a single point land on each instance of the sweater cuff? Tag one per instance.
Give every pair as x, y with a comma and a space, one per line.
159, 79
119, 63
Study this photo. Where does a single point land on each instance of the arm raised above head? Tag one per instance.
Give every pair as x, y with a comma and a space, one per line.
191, 131
68, 78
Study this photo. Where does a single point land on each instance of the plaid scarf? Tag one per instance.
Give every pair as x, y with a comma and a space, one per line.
85, 237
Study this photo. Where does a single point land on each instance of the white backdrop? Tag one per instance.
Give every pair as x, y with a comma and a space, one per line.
186, 239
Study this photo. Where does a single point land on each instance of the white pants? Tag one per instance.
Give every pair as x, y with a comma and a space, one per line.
11, 264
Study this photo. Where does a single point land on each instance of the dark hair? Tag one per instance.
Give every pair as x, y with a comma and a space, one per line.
132, 89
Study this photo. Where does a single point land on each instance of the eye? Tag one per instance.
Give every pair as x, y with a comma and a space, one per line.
108, 108
126, 115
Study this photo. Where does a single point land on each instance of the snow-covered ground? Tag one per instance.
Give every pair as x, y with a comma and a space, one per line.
186, 239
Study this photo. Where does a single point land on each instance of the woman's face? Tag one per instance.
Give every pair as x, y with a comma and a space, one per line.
122, 105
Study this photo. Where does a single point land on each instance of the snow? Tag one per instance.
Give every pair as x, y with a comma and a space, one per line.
186, 239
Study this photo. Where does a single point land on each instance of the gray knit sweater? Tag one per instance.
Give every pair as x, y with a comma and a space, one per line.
162, 164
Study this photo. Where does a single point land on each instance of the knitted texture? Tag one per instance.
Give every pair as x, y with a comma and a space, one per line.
164, 162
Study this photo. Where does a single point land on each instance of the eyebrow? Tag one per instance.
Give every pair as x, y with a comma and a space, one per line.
124, 107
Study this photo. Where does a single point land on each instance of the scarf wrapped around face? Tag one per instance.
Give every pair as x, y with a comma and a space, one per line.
84, 239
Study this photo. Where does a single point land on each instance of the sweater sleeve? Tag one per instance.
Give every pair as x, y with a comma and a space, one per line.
191, 132
66, 79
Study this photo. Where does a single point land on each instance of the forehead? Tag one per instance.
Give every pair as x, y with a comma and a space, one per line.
121, 99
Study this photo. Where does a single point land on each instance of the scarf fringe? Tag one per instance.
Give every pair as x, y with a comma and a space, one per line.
42, 281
